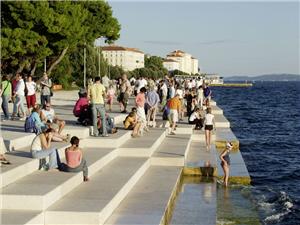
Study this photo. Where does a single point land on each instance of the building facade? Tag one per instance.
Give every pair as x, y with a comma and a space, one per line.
127, 58
171, 64
186, 63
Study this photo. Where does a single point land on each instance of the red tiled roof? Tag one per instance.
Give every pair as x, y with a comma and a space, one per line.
174, 55
169, 60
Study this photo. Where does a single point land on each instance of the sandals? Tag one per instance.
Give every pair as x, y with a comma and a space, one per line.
4, 161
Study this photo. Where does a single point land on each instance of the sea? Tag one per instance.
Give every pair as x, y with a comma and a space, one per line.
266, 120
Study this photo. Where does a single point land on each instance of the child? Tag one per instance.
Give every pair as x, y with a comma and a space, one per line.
131, 123
225, 162
110, 96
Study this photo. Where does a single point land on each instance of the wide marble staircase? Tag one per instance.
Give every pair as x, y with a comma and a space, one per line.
132, 180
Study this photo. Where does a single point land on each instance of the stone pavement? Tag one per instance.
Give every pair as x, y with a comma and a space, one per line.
133, 181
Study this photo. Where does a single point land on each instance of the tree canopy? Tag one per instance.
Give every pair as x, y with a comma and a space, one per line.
34, 30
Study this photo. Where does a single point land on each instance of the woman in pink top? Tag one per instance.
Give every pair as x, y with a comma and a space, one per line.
75, 160
81, 108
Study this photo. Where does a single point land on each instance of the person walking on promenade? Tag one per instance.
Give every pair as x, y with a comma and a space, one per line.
5, 94
30, 95
125, 91
110, 96
140, 103
75, 161
209, 125
163, 93
174, 105
180, 92
96, 94
41, 148
46, 85
19, 95
200, 96
225, 162
207, 95
152, 100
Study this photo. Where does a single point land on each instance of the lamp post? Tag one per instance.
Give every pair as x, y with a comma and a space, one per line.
45, 65
99, 56
84, 67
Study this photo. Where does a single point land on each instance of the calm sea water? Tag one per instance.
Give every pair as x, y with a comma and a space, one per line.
266, 120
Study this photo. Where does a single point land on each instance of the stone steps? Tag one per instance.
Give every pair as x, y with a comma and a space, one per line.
22, 164
148, 202
94, 201
221, 121
199, 161
143, 146
203, 210
172, 151
199, 135
133, 180
216, 110
41, 189
17, 217
112, 141
224, 135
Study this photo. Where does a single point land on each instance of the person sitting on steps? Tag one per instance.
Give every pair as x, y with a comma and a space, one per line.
75, 161
41, 148
131, 123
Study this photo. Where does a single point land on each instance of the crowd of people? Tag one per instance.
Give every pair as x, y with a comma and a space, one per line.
174, 98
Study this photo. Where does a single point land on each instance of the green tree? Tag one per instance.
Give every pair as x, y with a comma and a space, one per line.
33, 30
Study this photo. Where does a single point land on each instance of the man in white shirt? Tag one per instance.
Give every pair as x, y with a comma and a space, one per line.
19, 94
48, 116
30, 95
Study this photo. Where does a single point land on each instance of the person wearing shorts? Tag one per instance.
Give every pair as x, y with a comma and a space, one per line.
209, 125
174, 105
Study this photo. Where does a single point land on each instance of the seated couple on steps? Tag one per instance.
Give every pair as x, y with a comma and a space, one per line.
41, 149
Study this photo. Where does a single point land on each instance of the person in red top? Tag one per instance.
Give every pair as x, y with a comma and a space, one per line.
140, 103
75, 160
81, 108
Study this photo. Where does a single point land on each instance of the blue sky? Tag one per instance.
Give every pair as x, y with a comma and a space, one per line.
229, 38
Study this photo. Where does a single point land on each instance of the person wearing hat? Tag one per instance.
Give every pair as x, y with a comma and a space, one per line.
81, 107
225, 162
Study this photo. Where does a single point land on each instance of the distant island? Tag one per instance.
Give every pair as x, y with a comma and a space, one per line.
265, 77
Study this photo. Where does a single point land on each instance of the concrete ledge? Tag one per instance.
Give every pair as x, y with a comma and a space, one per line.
199, 135
224, 135
22, 164
221, 121
143, 146
25, 217
80, 132
113, 141
148, 202
216, 110
172, 151
98, 200
39, 190
17, 140
200, 171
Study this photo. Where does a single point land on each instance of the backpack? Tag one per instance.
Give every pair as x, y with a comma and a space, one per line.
29, 125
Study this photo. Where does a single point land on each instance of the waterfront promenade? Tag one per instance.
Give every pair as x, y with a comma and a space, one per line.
133, 181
